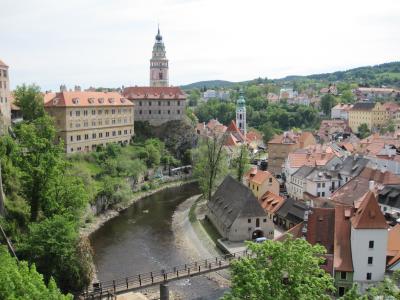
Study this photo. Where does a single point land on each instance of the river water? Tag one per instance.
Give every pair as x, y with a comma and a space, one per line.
141, 240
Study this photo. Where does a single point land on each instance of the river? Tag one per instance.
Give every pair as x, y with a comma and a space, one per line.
141, 240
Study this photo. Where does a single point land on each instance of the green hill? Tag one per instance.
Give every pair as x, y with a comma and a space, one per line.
387, 74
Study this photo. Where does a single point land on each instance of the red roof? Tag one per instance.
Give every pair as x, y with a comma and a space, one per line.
73, 99
342, 257
321, 227
271, 202
157, 93
369, 215
258, 176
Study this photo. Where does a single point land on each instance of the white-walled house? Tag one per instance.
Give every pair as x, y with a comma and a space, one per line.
236, 213
369, 236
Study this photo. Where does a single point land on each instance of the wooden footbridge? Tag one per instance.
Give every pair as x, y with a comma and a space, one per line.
110, 289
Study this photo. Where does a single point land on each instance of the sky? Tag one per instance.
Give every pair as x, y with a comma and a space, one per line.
109, 43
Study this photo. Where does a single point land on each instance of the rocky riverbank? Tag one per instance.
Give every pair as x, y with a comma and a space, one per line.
107, 215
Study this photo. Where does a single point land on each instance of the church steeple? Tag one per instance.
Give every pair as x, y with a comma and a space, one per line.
241, 113
159, 63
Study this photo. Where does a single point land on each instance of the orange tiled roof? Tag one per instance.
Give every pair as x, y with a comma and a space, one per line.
342, 256
87, 99
158, 93
260, 177
369, 215
271, 202
393, 245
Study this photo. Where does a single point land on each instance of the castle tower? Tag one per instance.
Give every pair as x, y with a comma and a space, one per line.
241, 114
159, 63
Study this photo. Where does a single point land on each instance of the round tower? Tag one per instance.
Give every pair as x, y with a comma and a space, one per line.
241, 113
159, 63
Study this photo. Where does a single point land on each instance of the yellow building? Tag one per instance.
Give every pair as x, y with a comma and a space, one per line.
260, 182
374, 114
85, 120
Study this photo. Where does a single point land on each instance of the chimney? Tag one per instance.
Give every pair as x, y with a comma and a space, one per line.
371, 185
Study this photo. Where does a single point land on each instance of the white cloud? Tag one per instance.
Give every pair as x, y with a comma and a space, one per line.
108, 43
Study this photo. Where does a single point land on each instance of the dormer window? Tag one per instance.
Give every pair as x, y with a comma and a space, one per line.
55, 101
101, 100
91, 100
123, 100
75, 100
111, 100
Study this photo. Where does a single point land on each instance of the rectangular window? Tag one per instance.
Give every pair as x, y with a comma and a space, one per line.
86, 136
270, 180
178, 111
100, 135
140, 103
149, 112
370, 260
93, 135
318, 194
78, 137
93, 112
72, 138
323, 194
371, 245
341, 291
159, 103
149, 103
369, 276
179, 103
140, 112
248, 220
169, 103
318, 184
343, 275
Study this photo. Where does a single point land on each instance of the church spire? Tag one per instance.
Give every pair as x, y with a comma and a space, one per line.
158, 36
159, 63
241, 113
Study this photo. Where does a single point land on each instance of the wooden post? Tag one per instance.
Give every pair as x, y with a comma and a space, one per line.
164, 291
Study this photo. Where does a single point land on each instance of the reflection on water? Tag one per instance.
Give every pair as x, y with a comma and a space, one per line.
141, 240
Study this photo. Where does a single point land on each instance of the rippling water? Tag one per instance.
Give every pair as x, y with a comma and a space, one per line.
141, 240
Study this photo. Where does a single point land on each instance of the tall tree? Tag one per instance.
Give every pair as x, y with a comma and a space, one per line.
21, 281
39, 161
55, 247
363, 131
327, 102
280, 271
30, 100
210, 163
242, 162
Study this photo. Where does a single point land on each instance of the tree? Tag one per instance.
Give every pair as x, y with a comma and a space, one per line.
55, 247
242, 162
363, 131
268, 132
386, 289
327, 102
210, 163
30, 101
280, 271
347, 96
39, 160
21, 281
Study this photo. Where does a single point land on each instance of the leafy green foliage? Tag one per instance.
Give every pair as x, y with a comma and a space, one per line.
363, 131
327, 102
280, 271
210, 164
21, 281
53, 245
242, 162
30, 101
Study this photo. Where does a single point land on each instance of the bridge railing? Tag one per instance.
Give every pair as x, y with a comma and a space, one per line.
101, 289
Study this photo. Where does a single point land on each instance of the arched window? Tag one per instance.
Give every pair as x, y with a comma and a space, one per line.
257, 222
160, 75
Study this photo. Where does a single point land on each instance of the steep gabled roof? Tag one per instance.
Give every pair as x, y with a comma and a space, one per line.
369, 215
342, 260
231, 200
321, 227
393, 247
233, 129
86, 99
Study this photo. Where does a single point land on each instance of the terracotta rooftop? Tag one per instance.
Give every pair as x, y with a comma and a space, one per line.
259, 177
87, 99
154, 93
271, 202
321, 227
393, 247
342, 106
369, 215
356, 188
295, 232
315, 155
342, 257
